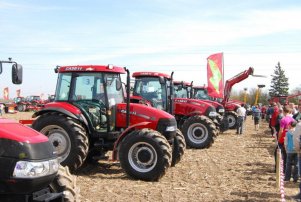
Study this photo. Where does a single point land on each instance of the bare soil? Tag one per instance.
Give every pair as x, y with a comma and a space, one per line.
235, 168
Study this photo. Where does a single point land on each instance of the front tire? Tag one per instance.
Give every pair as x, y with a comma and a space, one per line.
232, 119
66, 183
21, 107
199, 132
67, 136
145, 154
179, 146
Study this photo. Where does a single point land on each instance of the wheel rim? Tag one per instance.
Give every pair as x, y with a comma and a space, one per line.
197, 133
142, 157
231, 120
59, 139
20, 108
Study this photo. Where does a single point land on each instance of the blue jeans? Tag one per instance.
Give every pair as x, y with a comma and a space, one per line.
240, 124
291, 165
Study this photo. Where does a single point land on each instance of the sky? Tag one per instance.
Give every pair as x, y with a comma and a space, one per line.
150, 35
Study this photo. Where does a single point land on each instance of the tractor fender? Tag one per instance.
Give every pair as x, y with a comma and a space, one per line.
193, 113
124, 134
79, 117
181, 119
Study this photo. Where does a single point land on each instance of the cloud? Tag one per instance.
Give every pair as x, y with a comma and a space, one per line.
167, 41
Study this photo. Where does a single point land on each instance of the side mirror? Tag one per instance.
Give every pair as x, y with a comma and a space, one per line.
0, 67
17, 74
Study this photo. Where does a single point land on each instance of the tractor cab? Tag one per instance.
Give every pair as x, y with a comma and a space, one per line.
201, 93
153, 88
181, 89
19, 99
95, 93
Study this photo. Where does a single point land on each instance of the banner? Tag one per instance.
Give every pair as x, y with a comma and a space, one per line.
5, 93
18, 92
215, 75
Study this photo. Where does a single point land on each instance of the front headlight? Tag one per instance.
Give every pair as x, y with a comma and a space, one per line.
171, 128
30, 169
212, 114
221, 110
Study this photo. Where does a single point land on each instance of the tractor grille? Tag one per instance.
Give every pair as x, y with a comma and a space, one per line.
163, 124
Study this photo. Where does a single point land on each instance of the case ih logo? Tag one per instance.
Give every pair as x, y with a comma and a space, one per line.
73, 68
182, 101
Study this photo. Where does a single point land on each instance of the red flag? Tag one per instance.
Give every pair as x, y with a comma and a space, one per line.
18, 92
5, 93
215, 75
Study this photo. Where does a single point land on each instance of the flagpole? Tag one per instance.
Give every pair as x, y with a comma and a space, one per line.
223, 69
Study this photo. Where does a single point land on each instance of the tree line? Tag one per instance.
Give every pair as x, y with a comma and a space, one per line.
279, 87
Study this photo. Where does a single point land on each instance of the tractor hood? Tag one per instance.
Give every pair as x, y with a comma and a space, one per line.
232, 105
142, 113
13, 130
214, 103
202, 103
187, 106
219, 107
21, 142
140, 100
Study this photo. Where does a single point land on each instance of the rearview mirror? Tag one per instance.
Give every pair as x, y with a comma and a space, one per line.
17, 74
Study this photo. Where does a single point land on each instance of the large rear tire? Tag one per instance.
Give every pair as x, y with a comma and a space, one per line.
145, 154
232, 119
178, 148
219, 118
199, 132
66, 183
21, 107
67, 136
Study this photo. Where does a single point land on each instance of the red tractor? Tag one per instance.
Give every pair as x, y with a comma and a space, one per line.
90, 117
185, 90
230, 105
21, 104
284, 99
34, 103
29, 168
201, 92
193, 117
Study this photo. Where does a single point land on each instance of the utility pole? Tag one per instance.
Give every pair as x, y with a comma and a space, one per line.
258, 93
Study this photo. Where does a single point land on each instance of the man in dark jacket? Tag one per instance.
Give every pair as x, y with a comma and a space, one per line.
297, 116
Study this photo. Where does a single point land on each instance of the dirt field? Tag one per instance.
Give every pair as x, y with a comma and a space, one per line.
235, 168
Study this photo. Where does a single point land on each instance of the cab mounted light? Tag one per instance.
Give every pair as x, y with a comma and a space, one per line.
110, 66
56, 69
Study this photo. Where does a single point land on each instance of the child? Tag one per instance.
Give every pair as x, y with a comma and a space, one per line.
291, 153
256, 115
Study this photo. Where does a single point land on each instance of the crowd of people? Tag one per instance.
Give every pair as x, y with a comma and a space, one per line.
285, 125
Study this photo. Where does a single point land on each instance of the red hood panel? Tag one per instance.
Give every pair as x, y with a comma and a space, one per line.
13, 130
